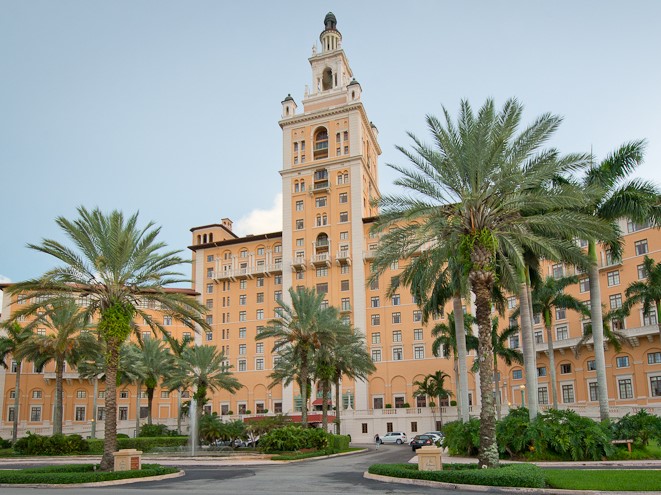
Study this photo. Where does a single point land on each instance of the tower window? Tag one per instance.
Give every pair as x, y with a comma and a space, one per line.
321, 144
327, 79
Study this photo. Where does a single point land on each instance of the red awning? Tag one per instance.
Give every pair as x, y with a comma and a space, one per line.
320, 402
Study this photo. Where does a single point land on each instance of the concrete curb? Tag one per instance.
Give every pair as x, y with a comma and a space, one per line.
126, 481
492, 489
340, 454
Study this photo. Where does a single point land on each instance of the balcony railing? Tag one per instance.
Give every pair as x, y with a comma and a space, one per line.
321, 259
249, 271
343, 257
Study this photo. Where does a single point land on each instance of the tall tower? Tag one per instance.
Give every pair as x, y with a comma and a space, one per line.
329, 177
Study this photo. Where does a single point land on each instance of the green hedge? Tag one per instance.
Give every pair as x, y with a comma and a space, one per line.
291, 438
516, 475
55, 445
84, 473
144, 444
339, 443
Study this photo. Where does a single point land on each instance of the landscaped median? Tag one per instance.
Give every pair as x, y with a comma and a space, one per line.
78, 474
522, 475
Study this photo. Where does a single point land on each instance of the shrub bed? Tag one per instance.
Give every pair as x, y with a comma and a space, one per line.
81, 473
292, 438
54, 445
515, 475
144, 444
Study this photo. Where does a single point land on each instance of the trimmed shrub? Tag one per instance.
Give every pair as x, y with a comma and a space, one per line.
4, 444
462, 438
338, 443
155, 431
292, 438
84, 473
145, 444
516, 475
55, 445
640, 427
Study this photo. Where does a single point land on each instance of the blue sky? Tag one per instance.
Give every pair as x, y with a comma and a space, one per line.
171, 107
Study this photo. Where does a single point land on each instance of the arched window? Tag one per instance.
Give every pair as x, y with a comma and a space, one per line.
204, 238
327, 79
244, 253
211, 237
322, 244
320, 143
199, 239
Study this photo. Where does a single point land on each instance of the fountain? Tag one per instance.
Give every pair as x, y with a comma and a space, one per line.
193, 426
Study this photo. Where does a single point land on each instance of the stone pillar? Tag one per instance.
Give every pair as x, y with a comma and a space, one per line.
429, 459
128, 460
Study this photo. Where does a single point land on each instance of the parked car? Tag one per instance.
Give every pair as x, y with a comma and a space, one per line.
422, 441
394, 437
438, 436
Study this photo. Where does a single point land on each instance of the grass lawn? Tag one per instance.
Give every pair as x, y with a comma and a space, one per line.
77, 473
604, 480
294, 456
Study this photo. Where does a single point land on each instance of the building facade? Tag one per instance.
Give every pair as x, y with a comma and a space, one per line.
329, 180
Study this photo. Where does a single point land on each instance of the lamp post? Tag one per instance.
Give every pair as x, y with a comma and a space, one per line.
523, 396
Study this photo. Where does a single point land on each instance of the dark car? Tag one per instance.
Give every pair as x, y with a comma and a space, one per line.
421, 441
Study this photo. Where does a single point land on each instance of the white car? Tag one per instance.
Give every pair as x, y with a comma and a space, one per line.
438, 436
393, 437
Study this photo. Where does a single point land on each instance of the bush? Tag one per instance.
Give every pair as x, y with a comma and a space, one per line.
84, 473
122, 435
338, 443
517, 475
513, 433
144, 444
155, 431
462, 438
4, 444
55, 445
292, 438
640, 427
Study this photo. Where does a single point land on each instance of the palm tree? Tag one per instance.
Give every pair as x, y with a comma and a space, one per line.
446, 344
203, 368
158, 363
502, 350
10, 344
548, 295
481, 190
177, 347
614, 196
116, 266
648, 292
304, 326
67, 342
434, 282
350, 359
434, 386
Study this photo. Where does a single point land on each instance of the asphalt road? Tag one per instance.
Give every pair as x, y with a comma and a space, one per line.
337, 475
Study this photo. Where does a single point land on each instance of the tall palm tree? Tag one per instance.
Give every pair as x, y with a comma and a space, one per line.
613, 195
304, 326
480, 189
648, 292
434, 282
67, 341
446, 343
203, 368
116, 265
548, 295
433, 385
10, 344
159, 363
177, 347
350, 359
502, 350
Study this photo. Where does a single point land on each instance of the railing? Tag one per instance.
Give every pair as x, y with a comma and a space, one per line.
321, 185
248, 271
321, 258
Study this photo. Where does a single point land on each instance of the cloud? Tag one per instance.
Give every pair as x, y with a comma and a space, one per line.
3, 280
261, 221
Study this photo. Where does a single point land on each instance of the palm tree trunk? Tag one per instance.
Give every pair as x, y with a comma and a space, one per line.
179, 411
17, 402
551, 351
440, 411
462, 391
338, 406
324, 405
658, 316
150, 402
455, 367
95, 408
496, 388
138, 386
57, 413
110, 432
528, 341
304, 392
488, 451
597, 323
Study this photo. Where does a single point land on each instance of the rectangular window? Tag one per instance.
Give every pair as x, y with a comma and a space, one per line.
517, 374
562, 332
539, 337
345, 304
260, 314
625, 388
299, 224
167, 320
565, 368
299, 205
259, 364
209, 272
613, 278
243, 299
377, 402
655, 386
374, 284
277, 280
397, 354
242, 332
344, 285
11, 413
514, 342
364, 427
242, 316
260, 297
259, 347
322, 271
243, 284
209, 303
592, 365
376, 338
344, 270
654, 358
242, 365
81, 394
396, 300
123, 413
543, 395
374, 301
376, 355
242, 349
344, 216
36, 394
35, 413
322, 288
615, 301
568, 394
558, 270
417, 315
584, 285
641, 247
560, 313
277, 295
80, 413
650, 318
344, 198
622, 361
417, 334
209, 319
418, 352
594, 391
321, 201
396, 318
376, 320
541, 371
397, 336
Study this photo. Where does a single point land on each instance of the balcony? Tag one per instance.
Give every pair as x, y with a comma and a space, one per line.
322, 259
298, 264
369, 254
321, 186
248, 271
67, 376
343, 257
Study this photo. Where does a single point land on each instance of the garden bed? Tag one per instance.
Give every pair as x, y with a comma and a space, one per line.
77, 473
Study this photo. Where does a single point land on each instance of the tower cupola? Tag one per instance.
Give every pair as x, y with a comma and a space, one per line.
288, 107
330, 37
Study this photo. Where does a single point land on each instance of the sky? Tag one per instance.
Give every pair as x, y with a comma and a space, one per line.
171, 108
